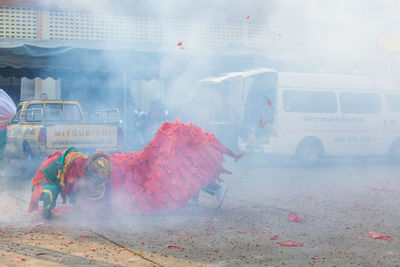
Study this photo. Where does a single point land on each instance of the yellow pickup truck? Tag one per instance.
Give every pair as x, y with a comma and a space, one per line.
41, 127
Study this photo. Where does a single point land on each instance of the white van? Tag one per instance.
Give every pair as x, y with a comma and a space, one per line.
312, 115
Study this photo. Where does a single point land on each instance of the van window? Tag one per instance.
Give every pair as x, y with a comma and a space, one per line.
368, 103
309, 101
393, 102
72, 113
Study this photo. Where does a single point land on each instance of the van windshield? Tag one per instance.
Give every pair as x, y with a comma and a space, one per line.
260, 106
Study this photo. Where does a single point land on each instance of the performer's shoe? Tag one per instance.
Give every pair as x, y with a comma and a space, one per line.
195, 200
221, 195
46, 213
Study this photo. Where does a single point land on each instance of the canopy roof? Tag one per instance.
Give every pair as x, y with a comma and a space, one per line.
61, 58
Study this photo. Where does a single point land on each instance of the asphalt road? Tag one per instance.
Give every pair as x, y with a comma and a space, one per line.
341, 201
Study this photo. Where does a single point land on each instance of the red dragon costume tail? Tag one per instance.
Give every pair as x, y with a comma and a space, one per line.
174, 166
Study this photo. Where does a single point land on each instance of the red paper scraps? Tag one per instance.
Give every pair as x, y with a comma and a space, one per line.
383, 189
93, 249
21, 259
378, 236
180, 43
269, 103
292, 217
248, 17
290, 244
171, 246
274, 237
279, 35
121, 249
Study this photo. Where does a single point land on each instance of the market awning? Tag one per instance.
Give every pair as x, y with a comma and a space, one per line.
61, 58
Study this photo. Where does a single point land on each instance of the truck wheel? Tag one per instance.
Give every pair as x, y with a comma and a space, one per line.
28, 159
309, 152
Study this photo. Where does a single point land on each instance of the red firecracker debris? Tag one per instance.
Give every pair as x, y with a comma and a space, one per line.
292, 217
248, 17
93, 249
121, 249
180, 43
261, 124
378, 236
171, 246
274, 237
269, 103
20, 259
290, 244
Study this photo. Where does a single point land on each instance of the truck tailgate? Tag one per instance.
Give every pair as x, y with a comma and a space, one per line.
82, 136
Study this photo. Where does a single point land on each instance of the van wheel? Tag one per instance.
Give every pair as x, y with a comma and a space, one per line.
395, 151
309, 152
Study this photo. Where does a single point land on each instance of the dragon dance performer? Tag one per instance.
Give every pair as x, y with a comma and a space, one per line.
162, 177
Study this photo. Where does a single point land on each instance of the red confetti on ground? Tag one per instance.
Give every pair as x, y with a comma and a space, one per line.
93, 249
315, 258
383, 189
292, 217
378, 236
21, 259
85, 236
269, 103
121, 249
274, 237
290, 244
248, 17
171, 246
180, 43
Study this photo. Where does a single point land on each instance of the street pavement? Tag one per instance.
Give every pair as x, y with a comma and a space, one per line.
338, 204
